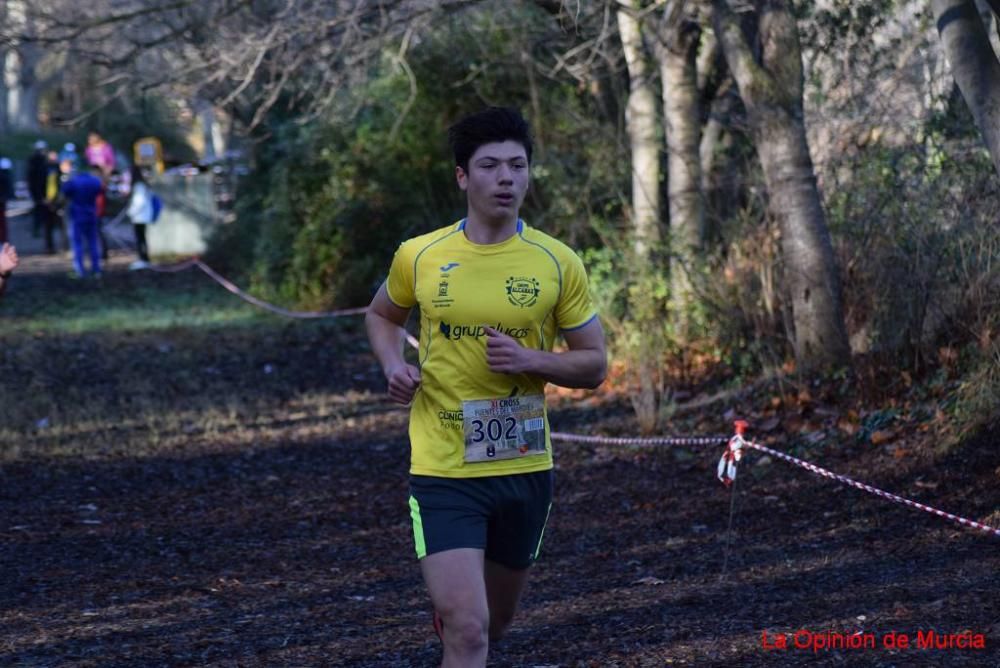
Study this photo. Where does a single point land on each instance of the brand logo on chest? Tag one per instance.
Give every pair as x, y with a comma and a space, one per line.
442, 299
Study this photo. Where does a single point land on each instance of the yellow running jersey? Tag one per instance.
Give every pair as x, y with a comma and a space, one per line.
529, 287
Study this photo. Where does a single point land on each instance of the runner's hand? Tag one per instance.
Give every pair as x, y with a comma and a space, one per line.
403, 383
505, 355
8, 258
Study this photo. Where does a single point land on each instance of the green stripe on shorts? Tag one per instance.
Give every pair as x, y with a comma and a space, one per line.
418, 528
542, 532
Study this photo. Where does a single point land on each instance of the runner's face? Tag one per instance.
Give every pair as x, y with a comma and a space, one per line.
496, 181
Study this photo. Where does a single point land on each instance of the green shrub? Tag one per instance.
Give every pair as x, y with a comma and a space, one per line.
901, 220
332, 198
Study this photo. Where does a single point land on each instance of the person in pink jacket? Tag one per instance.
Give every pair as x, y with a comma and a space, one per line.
99, 152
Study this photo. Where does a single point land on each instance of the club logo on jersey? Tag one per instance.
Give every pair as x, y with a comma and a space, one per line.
522, 291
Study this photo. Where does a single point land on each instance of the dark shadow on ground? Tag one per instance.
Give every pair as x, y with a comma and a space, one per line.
186, 506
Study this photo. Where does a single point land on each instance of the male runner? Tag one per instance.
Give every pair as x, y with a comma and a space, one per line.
493, 294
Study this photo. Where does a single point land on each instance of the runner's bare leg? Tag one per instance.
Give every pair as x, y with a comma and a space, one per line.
457, 587
503, 592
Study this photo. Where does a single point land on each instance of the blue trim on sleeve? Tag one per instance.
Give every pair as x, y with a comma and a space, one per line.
573, 329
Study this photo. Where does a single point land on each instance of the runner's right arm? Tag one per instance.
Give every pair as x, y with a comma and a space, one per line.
384, 323
8, 263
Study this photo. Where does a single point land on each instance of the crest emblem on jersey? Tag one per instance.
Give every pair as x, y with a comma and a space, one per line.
522, 291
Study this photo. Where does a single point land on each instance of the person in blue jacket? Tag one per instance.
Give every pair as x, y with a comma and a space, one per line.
81, 191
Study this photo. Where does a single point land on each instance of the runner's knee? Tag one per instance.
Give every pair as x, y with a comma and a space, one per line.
467, 631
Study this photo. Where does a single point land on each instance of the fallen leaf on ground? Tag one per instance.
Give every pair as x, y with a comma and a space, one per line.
882, 436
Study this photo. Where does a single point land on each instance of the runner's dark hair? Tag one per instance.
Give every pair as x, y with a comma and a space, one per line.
495, 124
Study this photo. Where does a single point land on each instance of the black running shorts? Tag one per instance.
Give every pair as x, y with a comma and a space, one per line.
503, 515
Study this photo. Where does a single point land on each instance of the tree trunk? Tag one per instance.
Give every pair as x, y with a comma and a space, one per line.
718, 189
4, 53
974, 65
771, 87
989, 16
708, 58
22, 111
640, 123
22, 84
212, 142
677, 53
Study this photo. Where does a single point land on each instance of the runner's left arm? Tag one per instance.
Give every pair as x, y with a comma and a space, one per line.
584, 365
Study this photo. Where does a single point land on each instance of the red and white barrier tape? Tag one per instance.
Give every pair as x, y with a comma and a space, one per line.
174, 268
726, 471
229, 285
727, 464
655, 440
732, 455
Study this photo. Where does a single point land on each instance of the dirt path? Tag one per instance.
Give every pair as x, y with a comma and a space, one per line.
206, 496
31, 249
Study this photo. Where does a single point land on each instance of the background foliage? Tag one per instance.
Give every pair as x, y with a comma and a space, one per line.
330, 200
344, 117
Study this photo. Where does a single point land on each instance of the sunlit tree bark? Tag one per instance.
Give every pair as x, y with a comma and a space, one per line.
677, 55
641, 123
770, 84
974, 65
21, 80
4, 51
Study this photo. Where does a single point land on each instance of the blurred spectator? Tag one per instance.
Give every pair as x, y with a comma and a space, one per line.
140, 212
99, 152
37, 172
53, 204
69, 159
82, 191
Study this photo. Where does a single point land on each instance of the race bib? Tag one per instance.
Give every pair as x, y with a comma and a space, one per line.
504, 428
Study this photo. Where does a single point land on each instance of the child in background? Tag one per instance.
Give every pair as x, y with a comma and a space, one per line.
140, 212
